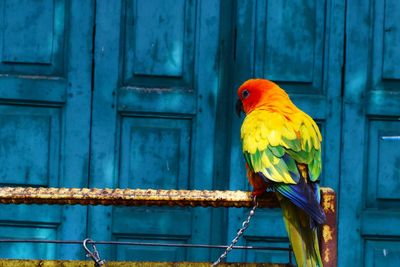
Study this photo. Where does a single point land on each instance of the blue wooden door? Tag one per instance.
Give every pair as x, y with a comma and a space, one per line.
297, 44
45, 89
154, 112
159, 111
370, 179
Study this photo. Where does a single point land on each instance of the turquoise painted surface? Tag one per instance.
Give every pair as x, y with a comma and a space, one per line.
156, 84
149, 102
45, 92
369, 203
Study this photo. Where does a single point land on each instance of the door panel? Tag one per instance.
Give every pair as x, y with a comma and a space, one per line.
156, 84
382, 253
296, 35
33, 34
369, 202
166, 141
297, 44
26, 164
166, 55
45, 71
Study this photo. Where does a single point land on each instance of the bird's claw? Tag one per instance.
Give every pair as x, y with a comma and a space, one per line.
257, 193
254, 199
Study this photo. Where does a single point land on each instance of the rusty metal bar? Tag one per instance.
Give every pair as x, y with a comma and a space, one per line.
129, 197
134, 197
51, 263
329, 230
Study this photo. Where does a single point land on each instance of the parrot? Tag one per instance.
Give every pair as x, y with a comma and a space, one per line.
282, 149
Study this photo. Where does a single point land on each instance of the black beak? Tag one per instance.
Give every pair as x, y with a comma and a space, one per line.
239, 107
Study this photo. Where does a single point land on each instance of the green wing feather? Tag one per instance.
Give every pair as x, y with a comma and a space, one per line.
273, 144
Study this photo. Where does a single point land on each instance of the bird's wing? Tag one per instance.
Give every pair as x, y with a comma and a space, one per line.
274, 145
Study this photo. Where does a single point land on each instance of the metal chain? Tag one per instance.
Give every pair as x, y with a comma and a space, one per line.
240, 232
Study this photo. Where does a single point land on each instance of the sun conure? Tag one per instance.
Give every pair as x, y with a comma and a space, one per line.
282, 149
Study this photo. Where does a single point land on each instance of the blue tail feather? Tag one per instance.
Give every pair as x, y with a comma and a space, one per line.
305, 196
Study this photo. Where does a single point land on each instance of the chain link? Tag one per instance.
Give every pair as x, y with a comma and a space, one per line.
240, 232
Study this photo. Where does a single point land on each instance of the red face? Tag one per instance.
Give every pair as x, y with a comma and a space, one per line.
250, 94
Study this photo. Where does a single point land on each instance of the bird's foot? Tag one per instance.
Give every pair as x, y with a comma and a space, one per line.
258, 192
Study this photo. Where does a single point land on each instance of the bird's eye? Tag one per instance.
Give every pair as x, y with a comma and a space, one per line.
245, 94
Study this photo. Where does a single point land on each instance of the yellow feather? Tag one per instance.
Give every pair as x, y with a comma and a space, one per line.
257, 135
275, 176
265, 161
263, 130
305, 137
316, 143
318, 138
288, 179
274, 137
288, 132
275, 121
275, 160
281, 177
298, 121
250, 145
262, 144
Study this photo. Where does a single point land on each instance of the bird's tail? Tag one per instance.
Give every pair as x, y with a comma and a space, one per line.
303, 238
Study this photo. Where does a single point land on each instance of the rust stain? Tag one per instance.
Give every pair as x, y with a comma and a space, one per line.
328, 202
327, 233
327, 255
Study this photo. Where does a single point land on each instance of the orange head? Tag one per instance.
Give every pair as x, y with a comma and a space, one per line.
256, 93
